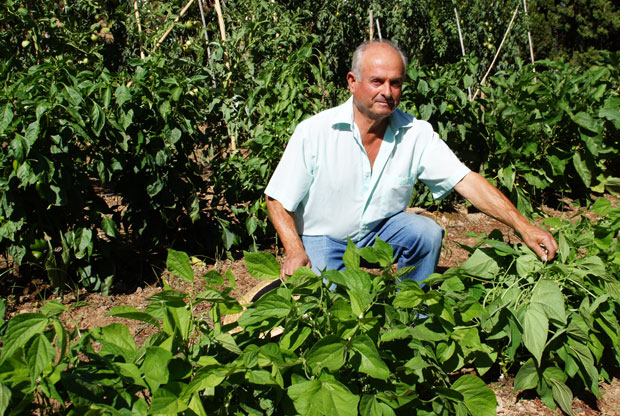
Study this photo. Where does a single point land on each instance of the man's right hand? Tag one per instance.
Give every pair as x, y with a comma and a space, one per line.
294, 261
284, 224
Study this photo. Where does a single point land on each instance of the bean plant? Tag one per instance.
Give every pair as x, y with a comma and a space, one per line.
374, 344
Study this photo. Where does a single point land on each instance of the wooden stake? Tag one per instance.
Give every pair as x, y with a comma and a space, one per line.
379, 29
137, 14
529, 34
371, 26
458, 26
498, 51
220, 19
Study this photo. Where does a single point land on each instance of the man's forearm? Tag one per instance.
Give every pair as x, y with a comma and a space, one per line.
488, 199
284, 224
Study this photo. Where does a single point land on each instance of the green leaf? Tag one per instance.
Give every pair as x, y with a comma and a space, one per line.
5, 118
562, 396
40, 353
178, 264
611, 110
548, 297
53, 308
328, 353
130, 312
269, 306
263, 266
122, 95
370, 406
582, 169
73, 96
213, 278
32, 132
586, 121
371, 362
131, 371
601, 206
155, 366
20, 330
166, 400
108, 225
291, 340
351, 257
227, 341
535, 328
481, 264
5, 398
527, 377
164, 109
563, 247
116, 340
319, 398
478, 397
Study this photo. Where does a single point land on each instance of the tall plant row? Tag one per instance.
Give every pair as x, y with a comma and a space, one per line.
105, 153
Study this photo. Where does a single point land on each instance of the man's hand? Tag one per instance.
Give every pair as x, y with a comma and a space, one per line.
284, 224
294, 261
540, 241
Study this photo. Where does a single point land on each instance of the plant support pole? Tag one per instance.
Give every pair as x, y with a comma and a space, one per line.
137, 14
379, 29
371, 26
498, 51
220, 19
458, 26
529, 34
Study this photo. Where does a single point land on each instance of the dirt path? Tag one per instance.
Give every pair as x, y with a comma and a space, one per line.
456, 225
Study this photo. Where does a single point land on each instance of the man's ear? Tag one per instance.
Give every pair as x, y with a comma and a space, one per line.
351, 80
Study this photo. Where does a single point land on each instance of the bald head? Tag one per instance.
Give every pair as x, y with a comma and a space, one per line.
375, 45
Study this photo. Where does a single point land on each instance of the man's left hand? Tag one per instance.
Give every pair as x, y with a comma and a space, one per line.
541, 242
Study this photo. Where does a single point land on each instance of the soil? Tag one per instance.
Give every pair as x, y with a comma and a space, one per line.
456, 223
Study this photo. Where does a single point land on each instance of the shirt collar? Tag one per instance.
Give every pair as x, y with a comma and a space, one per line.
344, 115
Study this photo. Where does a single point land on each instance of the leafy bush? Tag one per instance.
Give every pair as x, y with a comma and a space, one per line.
533, 133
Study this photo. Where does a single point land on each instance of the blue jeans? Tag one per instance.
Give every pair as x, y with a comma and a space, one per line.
416, 241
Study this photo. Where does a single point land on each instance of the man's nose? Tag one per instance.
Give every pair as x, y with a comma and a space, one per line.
387, 89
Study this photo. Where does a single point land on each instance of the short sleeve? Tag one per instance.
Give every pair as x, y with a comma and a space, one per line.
440, 169
292, 178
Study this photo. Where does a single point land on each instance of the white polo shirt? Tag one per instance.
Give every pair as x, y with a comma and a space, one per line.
325, 177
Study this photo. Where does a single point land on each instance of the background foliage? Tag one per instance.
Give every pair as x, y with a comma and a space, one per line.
106, 154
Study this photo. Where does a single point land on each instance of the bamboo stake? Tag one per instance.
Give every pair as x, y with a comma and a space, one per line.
167, 32
379, 29
220, 19
371, 27
137, 14
529, 34
458, 26
498, 51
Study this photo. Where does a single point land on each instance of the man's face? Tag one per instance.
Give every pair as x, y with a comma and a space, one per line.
376, 92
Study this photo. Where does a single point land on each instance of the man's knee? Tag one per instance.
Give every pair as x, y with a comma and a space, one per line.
425, 232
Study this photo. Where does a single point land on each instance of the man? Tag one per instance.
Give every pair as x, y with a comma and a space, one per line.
349, 172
